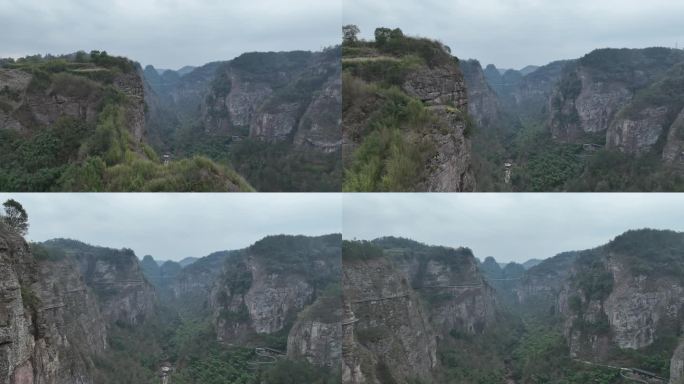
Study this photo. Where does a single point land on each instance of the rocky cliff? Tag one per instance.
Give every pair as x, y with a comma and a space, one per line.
483, 104
417, 107
80, 121
402, 301
55, 315
626, 295
625, 95
274, 107
316, 335
274, 284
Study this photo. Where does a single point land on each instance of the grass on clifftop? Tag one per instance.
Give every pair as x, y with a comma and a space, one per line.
392, 154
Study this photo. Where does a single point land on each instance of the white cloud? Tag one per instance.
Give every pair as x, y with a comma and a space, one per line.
174, 226
168, 33
515, 33
510, 227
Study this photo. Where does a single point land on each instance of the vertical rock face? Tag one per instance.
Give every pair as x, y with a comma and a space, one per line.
399, 305
443, 85
673, 153
483, 104
631, 96
677, 365
116, 278
626, 294
273, 97
389, 325
317, 334
263, 288
196, 281
50, 322
449, 170
640, 134
26, 108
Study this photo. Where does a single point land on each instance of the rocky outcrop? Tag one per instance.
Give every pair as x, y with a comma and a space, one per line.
673, 153
273, 97
677, 365
320, 126
115, 276
628, 95
483, 104
637, 135
614, 296
53, 319
29, 103
401, 305
449, 170
260, 294
317, 334
443, 85
393, 340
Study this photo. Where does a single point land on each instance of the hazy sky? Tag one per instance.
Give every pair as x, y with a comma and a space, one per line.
167, 33
174, 226
515, 33
510, 227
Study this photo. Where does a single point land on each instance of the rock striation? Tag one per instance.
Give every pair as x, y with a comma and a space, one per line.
57, 306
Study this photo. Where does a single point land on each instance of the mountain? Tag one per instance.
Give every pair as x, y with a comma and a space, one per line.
276, 108
94, 122
78, 123
607, 121
617, 304
531, 263
410, 309
72, 312
63, 302
405, 116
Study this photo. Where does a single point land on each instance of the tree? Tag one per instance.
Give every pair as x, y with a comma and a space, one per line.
349, 33
15, 217
382, 35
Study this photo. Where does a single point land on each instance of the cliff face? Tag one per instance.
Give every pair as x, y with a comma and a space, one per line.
115, 276
272, 97
621, 295
483, 104
55, 313
264, 288
626, 95
387, 333
418, 106
317, 333
400, 305
31, 102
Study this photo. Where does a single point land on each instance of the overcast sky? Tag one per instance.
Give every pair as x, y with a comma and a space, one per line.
510, 227
515, 33
174, 226
168, 33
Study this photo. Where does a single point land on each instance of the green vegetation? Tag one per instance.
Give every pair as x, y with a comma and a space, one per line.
392, 156
285, 253
15, 217
77, 155
46, 253
394, 131
281, 167
360, 250
651, 252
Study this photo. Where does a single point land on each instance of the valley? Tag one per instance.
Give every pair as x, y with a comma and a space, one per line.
418, 118
94, 122
72, 312
424, 314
